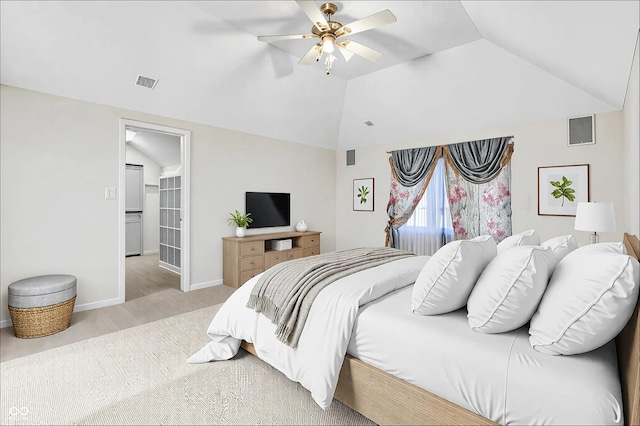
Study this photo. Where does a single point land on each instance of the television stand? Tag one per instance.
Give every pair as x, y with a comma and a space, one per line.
244, 258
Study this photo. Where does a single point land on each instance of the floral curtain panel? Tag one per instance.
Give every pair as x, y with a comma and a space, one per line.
479, 183
480, 209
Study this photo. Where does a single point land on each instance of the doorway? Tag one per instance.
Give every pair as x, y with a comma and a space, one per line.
178, 249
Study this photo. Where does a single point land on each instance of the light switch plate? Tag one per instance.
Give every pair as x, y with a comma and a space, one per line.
110, 193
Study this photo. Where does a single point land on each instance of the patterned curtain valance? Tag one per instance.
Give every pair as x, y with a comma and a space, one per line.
410, 166
479, 161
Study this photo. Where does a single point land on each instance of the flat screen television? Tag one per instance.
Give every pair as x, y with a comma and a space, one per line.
268, 209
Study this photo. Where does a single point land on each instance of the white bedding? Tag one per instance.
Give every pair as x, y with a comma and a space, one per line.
316, 362
498, 376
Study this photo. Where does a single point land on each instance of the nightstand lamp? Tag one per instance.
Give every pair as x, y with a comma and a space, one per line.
595, 217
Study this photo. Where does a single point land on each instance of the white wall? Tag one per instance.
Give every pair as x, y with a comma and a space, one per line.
170, 170
58, 155
632, 149
537, 144
56, 158
151, 208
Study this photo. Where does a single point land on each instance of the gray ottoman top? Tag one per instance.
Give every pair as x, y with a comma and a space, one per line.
44, 284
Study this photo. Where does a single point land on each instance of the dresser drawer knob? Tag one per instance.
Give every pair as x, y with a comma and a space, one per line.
252, 262
253, 248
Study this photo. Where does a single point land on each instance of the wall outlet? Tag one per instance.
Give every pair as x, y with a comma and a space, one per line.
110, 193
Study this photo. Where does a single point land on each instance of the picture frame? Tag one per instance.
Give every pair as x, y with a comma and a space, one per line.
581, 130
363, 194
561, 188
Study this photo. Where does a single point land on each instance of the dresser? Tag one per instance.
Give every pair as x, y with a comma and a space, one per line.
246, 257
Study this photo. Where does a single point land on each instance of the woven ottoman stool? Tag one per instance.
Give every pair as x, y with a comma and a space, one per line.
40, 306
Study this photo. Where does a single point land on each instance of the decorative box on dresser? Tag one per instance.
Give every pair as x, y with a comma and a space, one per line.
246, 257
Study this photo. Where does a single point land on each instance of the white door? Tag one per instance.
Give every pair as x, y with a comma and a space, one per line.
185, 224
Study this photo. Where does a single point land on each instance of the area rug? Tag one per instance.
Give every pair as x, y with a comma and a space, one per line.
140, 376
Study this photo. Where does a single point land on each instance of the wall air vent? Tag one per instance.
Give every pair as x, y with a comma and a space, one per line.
149, 82
351, 157
368, 123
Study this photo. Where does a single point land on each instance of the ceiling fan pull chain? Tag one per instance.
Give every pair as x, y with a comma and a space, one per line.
329, 62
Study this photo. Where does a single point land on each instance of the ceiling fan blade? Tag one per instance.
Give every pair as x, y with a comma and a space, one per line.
271, 38
347, 55
315, 15
361, 50
373, 21
311, 56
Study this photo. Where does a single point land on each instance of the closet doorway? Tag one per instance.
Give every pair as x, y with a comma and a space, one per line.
164, 245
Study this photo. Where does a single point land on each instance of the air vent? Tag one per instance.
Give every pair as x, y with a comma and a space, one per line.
351, 157
149, 82
368, 123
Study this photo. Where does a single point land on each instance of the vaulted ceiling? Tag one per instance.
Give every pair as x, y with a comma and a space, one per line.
447, 66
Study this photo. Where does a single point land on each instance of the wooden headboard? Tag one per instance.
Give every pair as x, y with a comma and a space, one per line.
628, 347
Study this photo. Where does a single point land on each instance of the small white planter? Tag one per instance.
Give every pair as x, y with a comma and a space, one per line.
240, 232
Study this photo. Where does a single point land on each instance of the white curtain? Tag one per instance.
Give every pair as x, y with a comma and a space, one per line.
430, 227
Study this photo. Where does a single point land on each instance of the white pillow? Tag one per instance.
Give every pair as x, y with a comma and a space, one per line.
509, 289
604, 248
561, 246
588, 301
449, 275
526, 238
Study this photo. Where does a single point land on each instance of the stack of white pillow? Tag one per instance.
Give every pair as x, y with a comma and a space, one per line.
574, 299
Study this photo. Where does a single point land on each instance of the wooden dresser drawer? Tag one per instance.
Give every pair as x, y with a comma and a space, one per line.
247, 275
251, 247
274, 258
249, 263
310, 241
311, 251
294, 254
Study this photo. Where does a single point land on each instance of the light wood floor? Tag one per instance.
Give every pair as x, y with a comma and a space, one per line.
152, 293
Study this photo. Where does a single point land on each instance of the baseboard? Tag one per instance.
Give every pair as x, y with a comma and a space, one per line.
146, 252
169, 268
77, 308
206, 284
96, 305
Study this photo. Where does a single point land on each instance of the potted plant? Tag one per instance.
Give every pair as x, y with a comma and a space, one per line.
241, 221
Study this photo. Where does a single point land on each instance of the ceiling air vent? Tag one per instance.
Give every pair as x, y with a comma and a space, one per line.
149, 82
368, 123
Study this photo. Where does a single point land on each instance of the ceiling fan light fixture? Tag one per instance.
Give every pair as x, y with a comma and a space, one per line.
329, 32
327, 44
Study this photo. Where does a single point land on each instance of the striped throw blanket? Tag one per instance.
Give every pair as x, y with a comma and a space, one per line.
284, 293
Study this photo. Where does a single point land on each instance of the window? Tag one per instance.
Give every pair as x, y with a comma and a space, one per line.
430, 227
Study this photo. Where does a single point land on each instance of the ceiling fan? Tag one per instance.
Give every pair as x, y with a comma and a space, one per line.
332, 34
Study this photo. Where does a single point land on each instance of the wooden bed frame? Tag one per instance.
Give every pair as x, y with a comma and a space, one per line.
386, 399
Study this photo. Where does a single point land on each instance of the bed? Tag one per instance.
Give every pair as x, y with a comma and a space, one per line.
361, 382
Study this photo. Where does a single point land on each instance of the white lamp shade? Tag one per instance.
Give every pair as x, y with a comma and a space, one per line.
595, 217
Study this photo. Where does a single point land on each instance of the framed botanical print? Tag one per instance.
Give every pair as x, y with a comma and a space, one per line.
561, 188
363, 190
